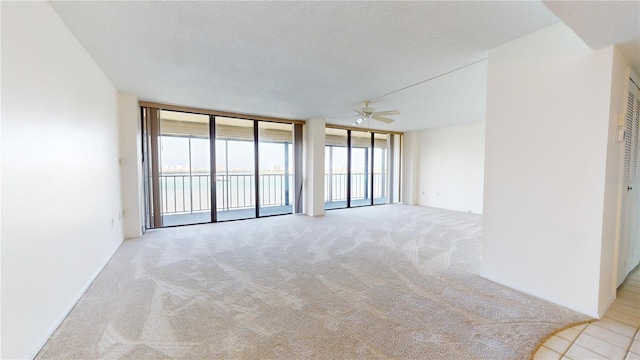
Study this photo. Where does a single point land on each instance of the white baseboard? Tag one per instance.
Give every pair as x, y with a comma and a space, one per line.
542, 296
605, 306
75, 300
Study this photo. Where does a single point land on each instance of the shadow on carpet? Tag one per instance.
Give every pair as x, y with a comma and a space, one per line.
377, 282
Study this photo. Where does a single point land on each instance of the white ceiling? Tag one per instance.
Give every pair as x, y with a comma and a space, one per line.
604, 23
305, 59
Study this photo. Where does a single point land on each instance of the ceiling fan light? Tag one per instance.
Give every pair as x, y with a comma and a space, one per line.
359, 121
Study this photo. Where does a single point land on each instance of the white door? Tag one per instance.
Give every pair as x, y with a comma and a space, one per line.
629, 249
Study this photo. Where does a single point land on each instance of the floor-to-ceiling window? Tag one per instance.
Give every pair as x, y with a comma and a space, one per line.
235, 169
361, 168
184, 171
275, 145
380, 169
335, 168
256, 166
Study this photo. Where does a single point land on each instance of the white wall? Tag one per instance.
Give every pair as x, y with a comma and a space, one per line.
410, 168
547, 133
60, 174
452, 167
313, 166
131, 181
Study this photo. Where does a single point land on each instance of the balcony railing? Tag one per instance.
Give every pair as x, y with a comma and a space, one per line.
335, 186
192, 193
184, 193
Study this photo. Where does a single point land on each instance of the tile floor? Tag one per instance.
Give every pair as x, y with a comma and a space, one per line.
615, 336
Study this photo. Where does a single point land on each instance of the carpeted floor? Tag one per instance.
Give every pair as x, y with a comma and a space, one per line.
377, 282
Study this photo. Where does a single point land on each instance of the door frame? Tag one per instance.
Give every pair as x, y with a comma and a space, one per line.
628, 249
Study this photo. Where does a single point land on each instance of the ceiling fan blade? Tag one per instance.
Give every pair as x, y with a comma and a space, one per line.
382, 118
360, 112
388, 112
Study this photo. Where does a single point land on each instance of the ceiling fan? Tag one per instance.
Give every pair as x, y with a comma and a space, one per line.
367, 113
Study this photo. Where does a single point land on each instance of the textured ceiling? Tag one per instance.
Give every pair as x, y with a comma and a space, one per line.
304, 59
604, 23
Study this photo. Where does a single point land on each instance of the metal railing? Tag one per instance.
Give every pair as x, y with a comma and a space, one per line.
184, 193
178, 195
335, 186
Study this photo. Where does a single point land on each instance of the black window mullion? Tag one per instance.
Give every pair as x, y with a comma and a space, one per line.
371, 170
348, 168
256, 166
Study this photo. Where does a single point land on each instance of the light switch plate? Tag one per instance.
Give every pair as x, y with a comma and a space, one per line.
621, 133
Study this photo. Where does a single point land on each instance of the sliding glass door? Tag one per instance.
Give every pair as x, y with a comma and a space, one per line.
361, 168
380, 173
235, 169
184, 171
275, 173
336, 157
205, 168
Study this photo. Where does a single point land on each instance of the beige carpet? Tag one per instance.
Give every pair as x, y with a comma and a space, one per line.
377, 282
